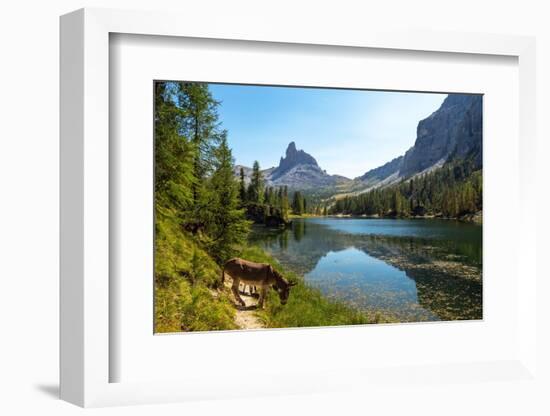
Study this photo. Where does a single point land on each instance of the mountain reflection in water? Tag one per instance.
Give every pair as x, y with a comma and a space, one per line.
413, 270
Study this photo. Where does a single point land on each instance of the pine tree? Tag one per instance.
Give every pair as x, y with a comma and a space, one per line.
242, 187
279, 203
298, 203
173, 153
284, 203
396, 203
468, 198
256, 187
271, 197
227, 226
199, 124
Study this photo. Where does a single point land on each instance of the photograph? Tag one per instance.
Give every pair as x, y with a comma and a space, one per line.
299, 206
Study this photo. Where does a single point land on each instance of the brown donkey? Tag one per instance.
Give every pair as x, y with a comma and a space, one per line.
260, 275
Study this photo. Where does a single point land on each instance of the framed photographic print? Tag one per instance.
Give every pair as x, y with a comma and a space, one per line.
320, 200
381, 224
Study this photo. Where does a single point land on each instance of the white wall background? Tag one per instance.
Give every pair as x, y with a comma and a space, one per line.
29, 205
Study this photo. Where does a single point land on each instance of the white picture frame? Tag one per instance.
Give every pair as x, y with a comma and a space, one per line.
85, 354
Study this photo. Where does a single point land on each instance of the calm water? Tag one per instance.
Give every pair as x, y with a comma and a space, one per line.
413, 270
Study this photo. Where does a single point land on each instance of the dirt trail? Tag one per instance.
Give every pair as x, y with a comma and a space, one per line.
245, 317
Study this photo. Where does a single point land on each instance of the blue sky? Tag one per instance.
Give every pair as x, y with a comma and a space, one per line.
347, 131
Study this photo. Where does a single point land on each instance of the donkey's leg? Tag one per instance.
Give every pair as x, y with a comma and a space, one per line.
263, 293
235, 290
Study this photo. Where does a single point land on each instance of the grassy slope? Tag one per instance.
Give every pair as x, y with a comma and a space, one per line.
185, 278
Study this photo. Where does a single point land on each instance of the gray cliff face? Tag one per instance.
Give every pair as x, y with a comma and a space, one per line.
453, 131
470, 130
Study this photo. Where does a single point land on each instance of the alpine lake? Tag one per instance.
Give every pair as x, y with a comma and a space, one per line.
411, 270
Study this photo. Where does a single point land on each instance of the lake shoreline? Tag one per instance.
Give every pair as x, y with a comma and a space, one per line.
308, 306
469, 218
446, 272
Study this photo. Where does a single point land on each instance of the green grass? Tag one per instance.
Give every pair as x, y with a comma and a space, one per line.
186, 278
306, 306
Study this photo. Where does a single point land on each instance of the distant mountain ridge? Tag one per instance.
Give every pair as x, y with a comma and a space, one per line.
453, 131
382, 172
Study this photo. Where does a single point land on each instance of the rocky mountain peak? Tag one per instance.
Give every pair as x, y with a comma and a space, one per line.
293, 157
297, 170
291, 149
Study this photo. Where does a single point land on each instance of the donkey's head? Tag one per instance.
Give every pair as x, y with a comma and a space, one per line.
282, 286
